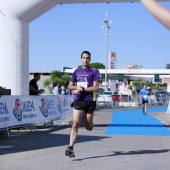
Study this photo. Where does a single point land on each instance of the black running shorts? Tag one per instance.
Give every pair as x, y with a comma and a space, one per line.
86, 106
144, 101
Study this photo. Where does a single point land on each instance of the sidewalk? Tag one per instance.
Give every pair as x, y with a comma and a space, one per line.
44, 149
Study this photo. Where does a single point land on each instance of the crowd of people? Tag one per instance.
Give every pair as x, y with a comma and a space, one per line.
57, 87
61, 89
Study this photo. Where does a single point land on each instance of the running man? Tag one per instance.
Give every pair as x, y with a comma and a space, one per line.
84, 84
144, 93
158, 11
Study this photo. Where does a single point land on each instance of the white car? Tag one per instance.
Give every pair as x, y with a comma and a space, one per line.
105, 100
107, 93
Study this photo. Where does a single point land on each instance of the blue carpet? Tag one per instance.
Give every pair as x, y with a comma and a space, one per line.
133, 122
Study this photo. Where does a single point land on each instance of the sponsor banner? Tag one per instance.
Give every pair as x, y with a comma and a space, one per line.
17, 110
4, 113
123, 89
52, 108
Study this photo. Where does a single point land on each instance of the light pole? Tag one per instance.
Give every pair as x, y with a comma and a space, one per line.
107, 27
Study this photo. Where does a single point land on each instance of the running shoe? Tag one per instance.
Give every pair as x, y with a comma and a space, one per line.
69, 152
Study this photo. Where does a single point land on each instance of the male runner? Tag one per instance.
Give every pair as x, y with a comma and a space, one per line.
84, 85
144, 93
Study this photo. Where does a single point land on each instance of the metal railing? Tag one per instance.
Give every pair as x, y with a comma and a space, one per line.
116, 101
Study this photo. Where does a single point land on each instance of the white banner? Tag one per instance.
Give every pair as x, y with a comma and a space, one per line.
17, 110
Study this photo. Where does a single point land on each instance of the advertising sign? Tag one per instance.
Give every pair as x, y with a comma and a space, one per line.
18, 110
112, 60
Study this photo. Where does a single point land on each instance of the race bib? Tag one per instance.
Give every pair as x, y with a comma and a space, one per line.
82, 84
145, 96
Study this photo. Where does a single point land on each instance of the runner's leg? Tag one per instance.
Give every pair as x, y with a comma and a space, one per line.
76, 120
143, 107
89, 121
146, 106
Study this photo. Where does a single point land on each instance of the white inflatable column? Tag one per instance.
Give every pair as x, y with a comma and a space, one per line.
14, 67
15, 16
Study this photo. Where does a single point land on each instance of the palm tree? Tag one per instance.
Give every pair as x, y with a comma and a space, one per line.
56, 77
47, 84
65, 78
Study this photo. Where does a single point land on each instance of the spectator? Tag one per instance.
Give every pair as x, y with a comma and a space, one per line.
59, 88
67, 91
33, 86
55, 88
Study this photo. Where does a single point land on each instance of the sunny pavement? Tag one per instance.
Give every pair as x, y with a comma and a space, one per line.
44, 149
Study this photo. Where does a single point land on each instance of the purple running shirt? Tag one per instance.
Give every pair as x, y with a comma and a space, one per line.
85, 77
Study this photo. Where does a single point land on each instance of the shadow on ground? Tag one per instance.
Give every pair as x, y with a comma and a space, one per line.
41, 139
119, 153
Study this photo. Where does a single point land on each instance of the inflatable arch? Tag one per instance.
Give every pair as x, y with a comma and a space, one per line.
15, 16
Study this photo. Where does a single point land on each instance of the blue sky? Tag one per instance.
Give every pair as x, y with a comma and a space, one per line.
58, 37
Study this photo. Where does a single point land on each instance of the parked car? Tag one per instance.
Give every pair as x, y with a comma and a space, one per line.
104, 100
107, 93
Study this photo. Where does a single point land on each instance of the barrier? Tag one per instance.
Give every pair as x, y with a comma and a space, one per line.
28, 110
123, 100
104, 101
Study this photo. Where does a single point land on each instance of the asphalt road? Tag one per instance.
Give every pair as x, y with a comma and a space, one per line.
44, 149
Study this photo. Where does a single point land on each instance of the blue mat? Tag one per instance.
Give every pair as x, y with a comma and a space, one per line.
133, 122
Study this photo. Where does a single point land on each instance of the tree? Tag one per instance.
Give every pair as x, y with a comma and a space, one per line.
130, 87
56, 77
65, 78
47, 84
95, 65
139, 83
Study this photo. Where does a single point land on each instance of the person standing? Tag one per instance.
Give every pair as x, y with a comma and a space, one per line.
158, 11
144, 93
33, 86
67, 91
84, 84
56, 88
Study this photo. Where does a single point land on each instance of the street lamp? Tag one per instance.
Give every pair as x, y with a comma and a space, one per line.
107, 27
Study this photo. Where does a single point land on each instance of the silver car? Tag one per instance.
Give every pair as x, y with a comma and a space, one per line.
104, 100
